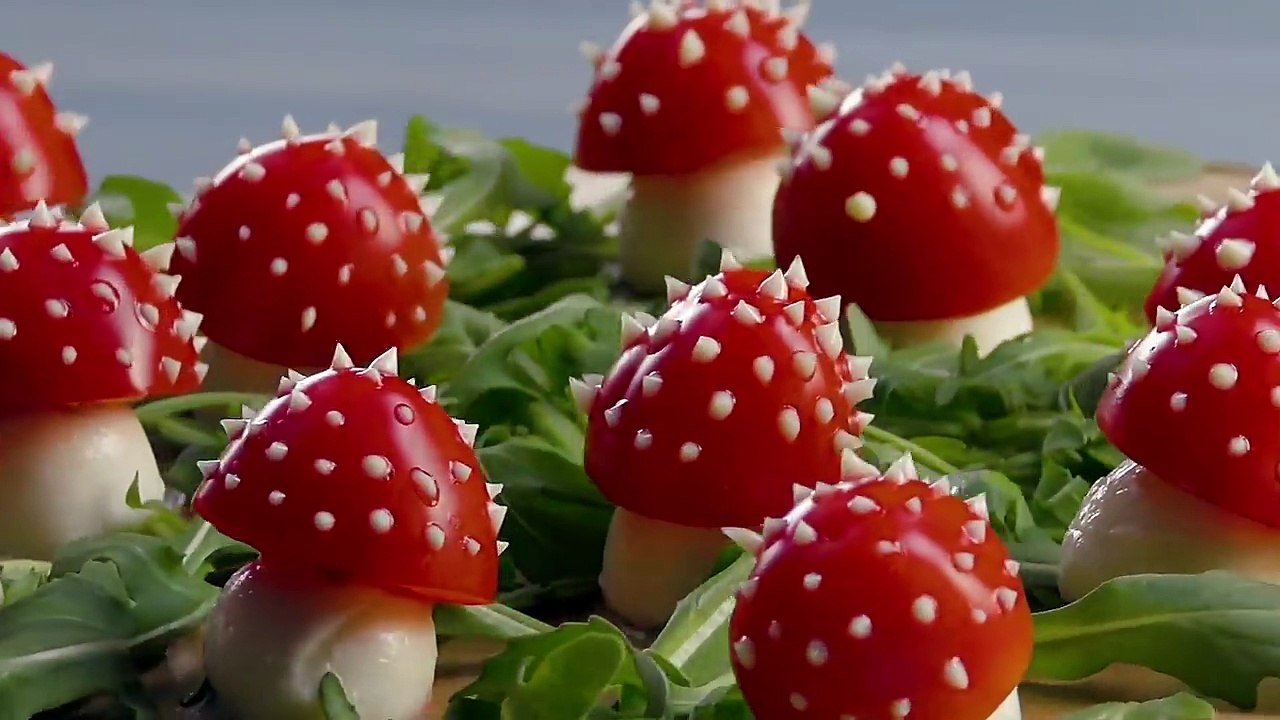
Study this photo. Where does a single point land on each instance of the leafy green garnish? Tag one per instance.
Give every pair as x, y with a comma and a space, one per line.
141, 203
1089, 151
1176, 707
1217, 632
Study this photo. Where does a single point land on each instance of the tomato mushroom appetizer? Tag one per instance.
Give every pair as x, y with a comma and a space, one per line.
38, 155
691, 101
881, 597
303, 243
917, 182
1194, 406
368, 506
711, 414
87, 327
1241, 238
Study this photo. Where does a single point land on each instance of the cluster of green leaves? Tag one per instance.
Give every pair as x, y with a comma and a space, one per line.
532, 304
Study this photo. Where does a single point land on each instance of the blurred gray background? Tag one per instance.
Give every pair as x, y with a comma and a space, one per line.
171, 85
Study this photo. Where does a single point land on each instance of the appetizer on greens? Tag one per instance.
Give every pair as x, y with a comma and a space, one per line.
368, 506
38, 156
881, 597
303, 243
708, 418
692, 101
1194, 406
1239, 238
917, 182
87, 327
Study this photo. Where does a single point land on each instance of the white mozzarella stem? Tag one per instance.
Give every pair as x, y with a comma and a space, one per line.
668, 216
1010, 709
230, 371
988, 329
1132, 522
64, 475
650, 565
270, 642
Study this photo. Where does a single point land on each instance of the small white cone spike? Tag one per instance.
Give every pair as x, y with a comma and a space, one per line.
829, 307
941, 486
676, 289
207, 467
1262, 294
1186, 295
1050, 195
774, 286
1237, 285
1238, 201
631, 329
364, 132
583, 394
1266, 179
289, 129
748, 540
429, 393
1165, 318
388, 363
113, 242
796, 275
93, 219
70, 123
341, 360
41, 217
493, 489
233, 427
396, 162
1207, 205
728, 261
978, 504
800, 493
902, 469
853, 467
661, 16
159, 257
822, 102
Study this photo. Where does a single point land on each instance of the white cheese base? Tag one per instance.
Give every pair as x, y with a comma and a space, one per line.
668, 216
650, 565
230, 371
64, 475
989, 329
1010, 709
268, 645
1133, 522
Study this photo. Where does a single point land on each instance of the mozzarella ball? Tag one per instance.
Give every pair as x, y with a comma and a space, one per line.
64, 475
271, 639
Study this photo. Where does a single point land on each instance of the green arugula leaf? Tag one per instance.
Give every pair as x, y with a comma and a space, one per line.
1094, 152
576, 671
1175, 707
1217, 632
334, 701
696, 640
110, 604
485, 621
463, 330
556, 519
142, 203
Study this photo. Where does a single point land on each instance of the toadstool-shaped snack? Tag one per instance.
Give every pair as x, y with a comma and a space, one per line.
87, 327
692, 101
368, 506
917, 182
38, 155
1194, 406
1239, 238
303, 243
711, 414
881, 598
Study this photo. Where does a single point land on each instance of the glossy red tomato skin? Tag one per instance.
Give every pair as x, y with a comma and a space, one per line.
793, 627
694, 127
922, 255
745, 467
357, 280
1202, 270
1191, 447
55, 173
81, 325
440, 541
